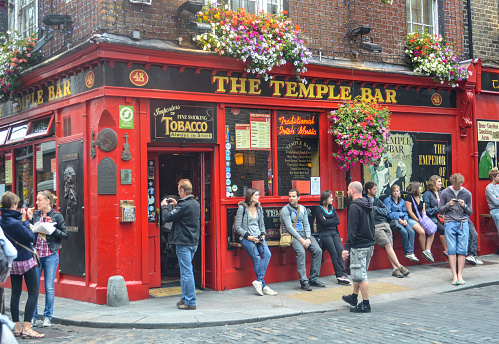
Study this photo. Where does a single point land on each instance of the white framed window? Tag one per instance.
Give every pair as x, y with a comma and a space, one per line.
422, 15
253, 6
23, 17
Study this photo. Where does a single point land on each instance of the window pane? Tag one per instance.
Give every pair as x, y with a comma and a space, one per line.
45, 155
3, 136
5, 157
297, 150
39, 126
420, 15
24, 175
249, 5
19, 131
248, 158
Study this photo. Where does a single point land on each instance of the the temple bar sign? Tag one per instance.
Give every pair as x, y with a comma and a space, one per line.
174, 121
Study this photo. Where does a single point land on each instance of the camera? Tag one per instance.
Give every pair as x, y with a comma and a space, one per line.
167, 200
260, 239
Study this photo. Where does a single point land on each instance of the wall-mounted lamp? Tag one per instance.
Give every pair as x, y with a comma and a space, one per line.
51, 20
364, 42
199, 27
186, 12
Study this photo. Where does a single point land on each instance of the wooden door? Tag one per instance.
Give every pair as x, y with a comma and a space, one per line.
153, 237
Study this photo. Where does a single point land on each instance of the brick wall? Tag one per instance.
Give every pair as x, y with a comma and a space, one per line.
485, 21
324, 24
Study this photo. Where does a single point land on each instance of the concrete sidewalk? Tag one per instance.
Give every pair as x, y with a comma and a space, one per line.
244, 305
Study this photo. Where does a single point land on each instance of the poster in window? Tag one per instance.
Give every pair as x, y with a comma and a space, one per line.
411, 157
39, 157
488, 145
8, 168
243, 136
260, 131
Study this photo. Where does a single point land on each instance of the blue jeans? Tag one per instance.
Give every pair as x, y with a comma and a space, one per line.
49, 266
187, 284
457, 235
495, 216
407, 234
260, 254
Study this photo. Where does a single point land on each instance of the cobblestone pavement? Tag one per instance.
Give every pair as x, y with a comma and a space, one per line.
466, 316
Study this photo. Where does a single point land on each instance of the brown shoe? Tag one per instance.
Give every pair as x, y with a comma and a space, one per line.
180, 303
187, 307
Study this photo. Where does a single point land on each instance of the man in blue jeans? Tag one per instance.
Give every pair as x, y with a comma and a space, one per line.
185, 233
492, 194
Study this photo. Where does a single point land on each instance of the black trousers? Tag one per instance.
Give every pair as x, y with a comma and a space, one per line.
31, 281
331, 241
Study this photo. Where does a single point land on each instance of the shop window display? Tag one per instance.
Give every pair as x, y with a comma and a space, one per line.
5, 171
45, 167
24, 175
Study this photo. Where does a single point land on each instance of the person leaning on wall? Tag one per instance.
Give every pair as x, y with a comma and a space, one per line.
250, 227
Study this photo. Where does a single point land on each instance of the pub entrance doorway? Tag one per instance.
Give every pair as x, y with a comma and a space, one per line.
168, 169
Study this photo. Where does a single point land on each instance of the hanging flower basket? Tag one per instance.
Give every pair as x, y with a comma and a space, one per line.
262, 40
16, 55
430, 55
360, 128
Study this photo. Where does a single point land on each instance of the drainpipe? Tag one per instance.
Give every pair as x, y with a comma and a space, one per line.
470, 29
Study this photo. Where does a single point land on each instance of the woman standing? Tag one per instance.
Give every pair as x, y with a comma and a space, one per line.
251, 230
48, 247
16, 227
398, 216
414, 197
431, 198
327, 225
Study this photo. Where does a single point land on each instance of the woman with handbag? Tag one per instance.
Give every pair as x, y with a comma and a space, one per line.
250, 228
327, 225
416, 210
431, 198
17, 229
48, 247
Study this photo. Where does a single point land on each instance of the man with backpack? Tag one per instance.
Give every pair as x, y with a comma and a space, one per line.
294, 220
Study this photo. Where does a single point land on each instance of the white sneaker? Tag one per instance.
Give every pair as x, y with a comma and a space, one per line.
46, 322
258, 286
412, 257
268, 291
470, 259
478, 261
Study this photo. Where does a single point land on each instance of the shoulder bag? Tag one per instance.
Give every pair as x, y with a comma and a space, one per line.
428, 225
35, 255
440, 217
286, 238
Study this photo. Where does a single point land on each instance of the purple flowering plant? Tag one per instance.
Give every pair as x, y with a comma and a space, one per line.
431, 56
16, 55
263, 40
360, 129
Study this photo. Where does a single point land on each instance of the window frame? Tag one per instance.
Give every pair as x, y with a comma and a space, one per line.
259, 5
411, 24
17, 18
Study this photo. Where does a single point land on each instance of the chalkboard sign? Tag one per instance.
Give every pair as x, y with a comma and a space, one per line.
272, 221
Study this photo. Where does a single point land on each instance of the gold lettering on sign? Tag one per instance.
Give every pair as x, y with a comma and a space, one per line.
495, 84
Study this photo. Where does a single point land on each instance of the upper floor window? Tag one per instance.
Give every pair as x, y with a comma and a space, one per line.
23, 17
422, 15
252, 6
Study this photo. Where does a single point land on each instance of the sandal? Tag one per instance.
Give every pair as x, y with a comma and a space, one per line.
456, 282
461, 281
18, 334
32, 335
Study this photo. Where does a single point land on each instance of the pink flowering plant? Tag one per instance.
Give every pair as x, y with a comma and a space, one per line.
360, 128
16, 55
261, 40
431, 56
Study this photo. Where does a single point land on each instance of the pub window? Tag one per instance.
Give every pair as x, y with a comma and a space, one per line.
41, 127
253, 6
5, 171
422, 15
3, 135
18, 132
248, 151
45, 167
24, 175
297, 151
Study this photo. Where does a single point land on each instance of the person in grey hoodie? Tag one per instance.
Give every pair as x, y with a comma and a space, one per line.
359, 246
302, 240
455, 204
250, 227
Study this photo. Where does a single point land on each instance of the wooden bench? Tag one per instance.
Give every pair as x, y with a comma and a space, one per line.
270, 243
487, 216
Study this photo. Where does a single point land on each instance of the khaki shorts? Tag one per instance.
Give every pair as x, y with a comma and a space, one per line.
383, 234
359, 263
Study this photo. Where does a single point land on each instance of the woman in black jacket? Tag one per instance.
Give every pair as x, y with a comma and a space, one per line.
17, 229
327, 225
48, 247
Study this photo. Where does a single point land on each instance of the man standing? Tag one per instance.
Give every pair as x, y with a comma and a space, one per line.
294, 220
359, 246
185, 235
455, 204
492, 194
382, 232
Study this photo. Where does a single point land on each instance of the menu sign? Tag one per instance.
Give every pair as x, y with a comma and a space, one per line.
260, 131
243, 136
39, 158
178, 121
8, 168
